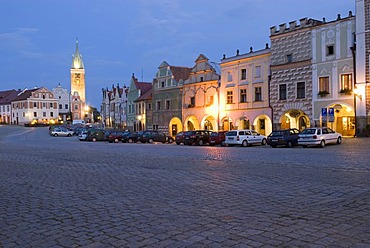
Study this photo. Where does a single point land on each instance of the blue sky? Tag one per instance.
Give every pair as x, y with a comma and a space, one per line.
121, 37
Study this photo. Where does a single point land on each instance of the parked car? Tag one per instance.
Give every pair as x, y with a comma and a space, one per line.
179, 137
197, 137
61, 132
132, 137
96, 135
115, 136
319, 136
155, 136
217, 138
286, 137
244, 138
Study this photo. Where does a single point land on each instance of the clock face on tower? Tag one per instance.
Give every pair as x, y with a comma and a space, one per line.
77, 75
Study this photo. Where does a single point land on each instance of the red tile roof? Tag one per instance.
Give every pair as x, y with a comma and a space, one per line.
180, 72
6, 97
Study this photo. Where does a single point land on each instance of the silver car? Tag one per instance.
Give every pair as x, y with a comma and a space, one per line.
61, 132
319, 136
244, 138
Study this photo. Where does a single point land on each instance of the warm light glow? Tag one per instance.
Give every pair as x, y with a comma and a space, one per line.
139, 117
359, 92
87, 108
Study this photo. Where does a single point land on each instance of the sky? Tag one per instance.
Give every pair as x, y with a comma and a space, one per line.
118, 38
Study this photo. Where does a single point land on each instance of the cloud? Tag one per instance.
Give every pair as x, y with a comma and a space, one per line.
19, 42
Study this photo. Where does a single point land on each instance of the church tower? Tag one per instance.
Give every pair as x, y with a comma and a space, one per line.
77, 86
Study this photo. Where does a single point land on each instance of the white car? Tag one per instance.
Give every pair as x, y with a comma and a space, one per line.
244, 138
61, 132
319, 136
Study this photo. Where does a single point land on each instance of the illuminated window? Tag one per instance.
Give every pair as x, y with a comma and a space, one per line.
324, 84
346, 81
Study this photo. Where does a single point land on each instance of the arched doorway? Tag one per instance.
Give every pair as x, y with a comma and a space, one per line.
191, 123
344, 119
227, 124
294, 118
210, 123
263, 125
174, 126
243, 123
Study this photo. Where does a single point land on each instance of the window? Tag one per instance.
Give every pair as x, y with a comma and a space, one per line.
201, 79
60, 106
51, 105
34, 114
258, 71
324, 84
158, 105
301, 90
149, 106
282, 92
167, 104
162, 84
43, 114
35, 105
229, 97
210, 100
66, 106
243, 95
289, 58
243, 73
43, 96
330, 50
192, 101
258, 94
51, 114
23, 114
76, 106
229, 76
60, 97
44, 105
346, 81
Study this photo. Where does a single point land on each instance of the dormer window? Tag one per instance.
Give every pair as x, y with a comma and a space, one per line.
162, 84
201, 79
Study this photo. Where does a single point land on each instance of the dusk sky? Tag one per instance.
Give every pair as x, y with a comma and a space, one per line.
120, 37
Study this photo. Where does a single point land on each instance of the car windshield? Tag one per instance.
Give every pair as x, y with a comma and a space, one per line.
214, 134
309, 131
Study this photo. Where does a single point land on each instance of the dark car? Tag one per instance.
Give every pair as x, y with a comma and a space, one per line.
286, 137
197, 137
179, 137
96, 135
217, 138
116, 136
132, 137
155, 136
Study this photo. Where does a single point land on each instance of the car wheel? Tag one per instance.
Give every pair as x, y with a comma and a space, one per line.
150, 141
55, 135
223, 143
200, 142
244, 143
289, 144
263, 142
130, 140
94, 139
178, 143
170, 140
322, 144
69, 135
116, 140
339, 140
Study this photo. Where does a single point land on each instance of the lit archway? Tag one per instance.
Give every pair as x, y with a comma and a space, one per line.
191, 123
174, 126
209, 123
227, 124
262, 124
243, 123
343, 121
294, 118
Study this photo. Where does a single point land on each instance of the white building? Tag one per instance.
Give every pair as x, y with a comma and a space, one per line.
114, 107
64, 100
36, 106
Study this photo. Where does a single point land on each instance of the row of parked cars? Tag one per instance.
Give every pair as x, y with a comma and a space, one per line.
316, 136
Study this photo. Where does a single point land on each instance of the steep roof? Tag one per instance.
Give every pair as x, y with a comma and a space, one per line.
146, 96
24, 95
142, 86
6, 97
77, 62
180, 72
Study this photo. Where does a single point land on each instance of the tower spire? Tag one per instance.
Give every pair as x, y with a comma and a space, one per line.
77, 62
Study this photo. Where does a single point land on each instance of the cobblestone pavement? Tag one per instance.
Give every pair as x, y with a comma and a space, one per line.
60, 192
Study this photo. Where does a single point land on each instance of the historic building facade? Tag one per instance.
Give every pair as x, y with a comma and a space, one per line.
333, 75
64, 100
166, 98
36, 106
114, 106
6, 97
291, 74
78, 86
135, 119
244, 91
200, 96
